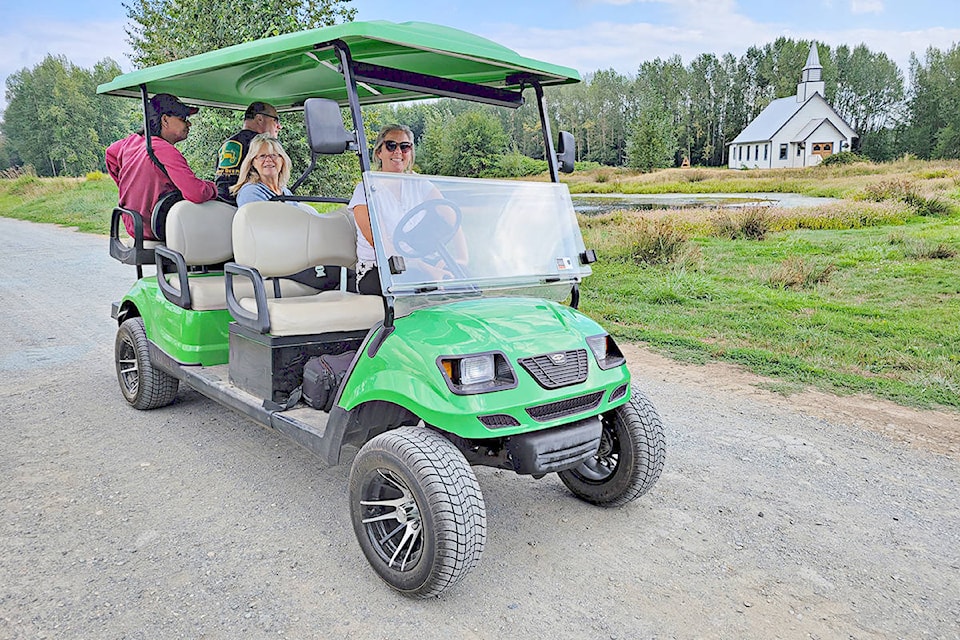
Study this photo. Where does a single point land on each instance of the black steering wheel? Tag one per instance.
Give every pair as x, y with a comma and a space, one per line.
423, 232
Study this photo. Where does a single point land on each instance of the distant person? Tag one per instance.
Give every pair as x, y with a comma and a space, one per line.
140, 180
263, 175
259, 117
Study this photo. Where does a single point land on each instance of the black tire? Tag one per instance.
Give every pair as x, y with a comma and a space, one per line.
144, 386
629, 460
417, 511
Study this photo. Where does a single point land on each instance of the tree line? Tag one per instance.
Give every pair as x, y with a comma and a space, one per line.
665, 113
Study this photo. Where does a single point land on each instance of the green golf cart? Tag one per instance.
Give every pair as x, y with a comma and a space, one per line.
489, 364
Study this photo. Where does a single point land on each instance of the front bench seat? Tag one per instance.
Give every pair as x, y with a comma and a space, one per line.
272, 239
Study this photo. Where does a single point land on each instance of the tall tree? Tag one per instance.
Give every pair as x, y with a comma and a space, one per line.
653, 140
934, 126
164, 30
53, 120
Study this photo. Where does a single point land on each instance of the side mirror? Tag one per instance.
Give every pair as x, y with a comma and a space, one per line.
566, 152
325, 131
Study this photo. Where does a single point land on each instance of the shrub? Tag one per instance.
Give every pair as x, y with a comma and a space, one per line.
796, 273
13, 173
844, 157
926, 250
752, 223
96, 175
515, 165
656, 242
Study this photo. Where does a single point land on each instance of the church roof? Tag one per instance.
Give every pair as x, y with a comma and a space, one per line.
765, 125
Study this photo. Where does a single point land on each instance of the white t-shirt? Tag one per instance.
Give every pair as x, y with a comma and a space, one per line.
391, 208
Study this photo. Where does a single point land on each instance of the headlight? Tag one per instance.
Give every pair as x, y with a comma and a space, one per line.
606, 351
476, 369
477, 373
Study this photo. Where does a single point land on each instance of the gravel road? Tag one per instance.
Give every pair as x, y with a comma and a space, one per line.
770, 520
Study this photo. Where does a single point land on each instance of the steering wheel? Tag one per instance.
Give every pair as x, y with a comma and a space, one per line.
424, 232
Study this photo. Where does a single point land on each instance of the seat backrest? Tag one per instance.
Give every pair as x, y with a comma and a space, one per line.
278, 239
201, 233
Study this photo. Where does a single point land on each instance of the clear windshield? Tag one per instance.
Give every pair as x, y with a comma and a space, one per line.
463, 236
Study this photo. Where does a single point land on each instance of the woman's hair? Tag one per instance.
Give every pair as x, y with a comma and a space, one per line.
261, 143
380, 139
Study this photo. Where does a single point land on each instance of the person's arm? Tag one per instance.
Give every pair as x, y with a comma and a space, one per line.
358, 204
193, 188
112, 158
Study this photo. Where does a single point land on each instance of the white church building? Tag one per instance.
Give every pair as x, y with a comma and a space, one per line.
799, 131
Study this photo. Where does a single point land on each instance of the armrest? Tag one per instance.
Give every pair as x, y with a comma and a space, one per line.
259, 321
167, 256
137, 254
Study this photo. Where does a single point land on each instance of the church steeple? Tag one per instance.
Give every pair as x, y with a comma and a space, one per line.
811, 79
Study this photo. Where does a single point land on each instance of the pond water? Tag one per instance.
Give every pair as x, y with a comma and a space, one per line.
595, 203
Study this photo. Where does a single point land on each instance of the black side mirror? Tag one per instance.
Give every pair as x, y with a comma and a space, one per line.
566, 152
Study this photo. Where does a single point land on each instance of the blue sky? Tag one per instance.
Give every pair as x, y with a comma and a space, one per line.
585, 34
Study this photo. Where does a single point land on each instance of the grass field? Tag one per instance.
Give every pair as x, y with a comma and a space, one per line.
860, 296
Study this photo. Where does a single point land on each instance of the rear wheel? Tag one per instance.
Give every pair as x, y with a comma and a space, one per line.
144, 386
417, 510
629, 460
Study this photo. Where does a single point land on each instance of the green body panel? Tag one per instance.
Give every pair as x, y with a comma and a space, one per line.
187, 336
405, 369
285, 70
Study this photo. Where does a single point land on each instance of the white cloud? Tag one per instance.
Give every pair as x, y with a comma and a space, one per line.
26, 45
624, 47
866, 6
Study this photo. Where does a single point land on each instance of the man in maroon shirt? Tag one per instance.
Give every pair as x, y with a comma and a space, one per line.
140, 180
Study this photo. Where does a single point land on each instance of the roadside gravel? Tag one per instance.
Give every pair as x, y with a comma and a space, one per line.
776, 517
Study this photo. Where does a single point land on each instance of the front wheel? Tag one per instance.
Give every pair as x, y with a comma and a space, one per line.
629, 460
143, 385
417, 510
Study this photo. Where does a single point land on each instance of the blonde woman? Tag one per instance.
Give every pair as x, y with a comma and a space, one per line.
264, 172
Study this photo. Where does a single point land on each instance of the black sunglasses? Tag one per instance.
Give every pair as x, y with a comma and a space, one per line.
392, 145
277, 118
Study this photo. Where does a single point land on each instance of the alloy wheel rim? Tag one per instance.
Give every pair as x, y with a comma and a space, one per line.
392, 520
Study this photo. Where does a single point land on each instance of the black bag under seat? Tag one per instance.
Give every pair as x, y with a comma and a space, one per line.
322, 376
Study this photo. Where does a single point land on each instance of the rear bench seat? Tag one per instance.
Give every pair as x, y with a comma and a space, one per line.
200, 235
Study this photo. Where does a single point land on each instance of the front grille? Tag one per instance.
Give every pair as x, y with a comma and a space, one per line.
498, 421
563, 408
559, 369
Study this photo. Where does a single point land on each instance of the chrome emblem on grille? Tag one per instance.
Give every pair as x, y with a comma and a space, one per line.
557, 358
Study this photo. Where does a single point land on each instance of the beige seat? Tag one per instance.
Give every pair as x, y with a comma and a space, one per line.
202, 235
272, 239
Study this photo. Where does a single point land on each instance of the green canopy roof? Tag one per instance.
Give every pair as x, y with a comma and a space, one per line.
285, 70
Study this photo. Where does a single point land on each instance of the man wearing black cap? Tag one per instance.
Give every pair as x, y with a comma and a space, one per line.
259, 117
140, 180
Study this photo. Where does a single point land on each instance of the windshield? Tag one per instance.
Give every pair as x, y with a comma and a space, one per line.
462, 236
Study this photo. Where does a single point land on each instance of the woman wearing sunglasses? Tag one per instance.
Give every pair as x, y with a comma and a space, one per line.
393, 152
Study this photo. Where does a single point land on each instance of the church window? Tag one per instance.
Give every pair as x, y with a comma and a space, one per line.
783, 152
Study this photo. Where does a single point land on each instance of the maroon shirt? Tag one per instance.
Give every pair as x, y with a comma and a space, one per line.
142, 183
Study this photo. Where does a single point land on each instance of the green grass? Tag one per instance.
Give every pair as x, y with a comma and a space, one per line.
860, 296
72, 202
879, 320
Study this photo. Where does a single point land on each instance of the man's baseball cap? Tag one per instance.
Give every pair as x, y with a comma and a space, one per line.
164, 103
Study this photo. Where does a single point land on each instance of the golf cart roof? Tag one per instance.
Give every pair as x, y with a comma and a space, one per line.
390, 59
